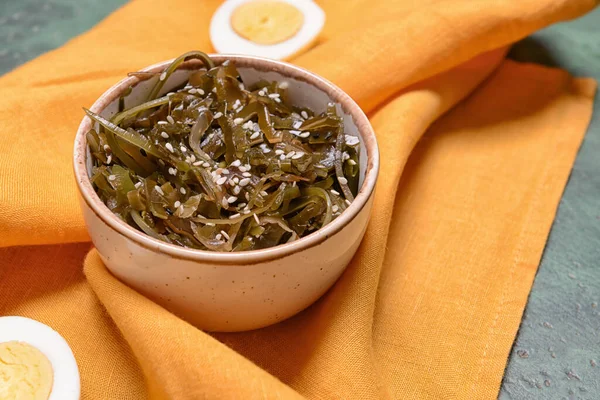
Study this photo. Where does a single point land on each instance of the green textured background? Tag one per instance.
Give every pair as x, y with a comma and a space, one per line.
558, 346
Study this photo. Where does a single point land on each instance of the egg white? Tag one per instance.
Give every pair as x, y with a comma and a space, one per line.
226, 40
66, 382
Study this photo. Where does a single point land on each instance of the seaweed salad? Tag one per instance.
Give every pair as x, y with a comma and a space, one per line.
216, 165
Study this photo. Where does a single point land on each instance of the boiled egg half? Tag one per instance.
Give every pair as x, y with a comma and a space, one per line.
36, 363
276, 29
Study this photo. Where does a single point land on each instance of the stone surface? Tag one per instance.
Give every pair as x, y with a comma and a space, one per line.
557, 351
561, 326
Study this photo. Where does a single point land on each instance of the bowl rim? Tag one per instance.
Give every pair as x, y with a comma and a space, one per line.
89, 196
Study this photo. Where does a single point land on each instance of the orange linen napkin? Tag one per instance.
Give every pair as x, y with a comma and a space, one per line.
475, 154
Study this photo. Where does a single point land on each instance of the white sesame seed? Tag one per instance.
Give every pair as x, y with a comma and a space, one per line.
172, 171
177, 204
263, 193
137, 185
161, 163
192, 91
247, 196
298, 155
347, 201
109, 159
234, 216
248, 124
290, 154
231, 183
254, 135
351, 140
304, 114
236, 104
351, 162
343, 180
237, 190
256, 219
112, 177
200, 91
304, 135
236, 179
170, 119
224, 202
183, 149
247, 174
106, 147
241, 86
219, 236
238, 121
266, 150
236, 163
242, 205
243, 168
279, 152
169, 147
261, 93
198, 163
221, 180
335, 208
274, 95
214, 90
297, 124
335, 192
282, 157
225, 235
232, 199
244, 182
209, 224
225, 171
246, 167
159, 190
162, 122
283, 85
218, 115
205, 164
295, 132
277, 100
163, 76
182, 190
164, 135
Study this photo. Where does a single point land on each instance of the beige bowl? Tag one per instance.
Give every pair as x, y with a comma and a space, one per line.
232, 291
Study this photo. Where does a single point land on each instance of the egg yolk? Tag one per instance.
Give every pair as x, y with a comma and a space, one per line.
267, 21
25, 373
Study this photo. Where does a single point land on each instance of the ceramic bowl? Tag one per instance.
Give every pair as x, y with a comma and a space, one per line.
232, 291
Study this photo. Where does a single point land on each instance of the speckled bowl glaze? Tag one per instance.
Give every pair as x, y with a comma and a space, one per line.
232, 291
